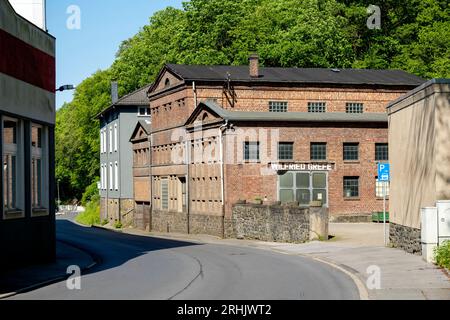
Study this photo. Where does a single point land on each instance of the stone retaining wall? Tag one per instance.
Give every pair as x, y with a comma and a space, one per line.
406, 238
271, 223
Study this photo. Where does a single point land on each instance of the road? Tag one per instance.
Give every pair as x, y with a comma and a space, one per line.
135, 267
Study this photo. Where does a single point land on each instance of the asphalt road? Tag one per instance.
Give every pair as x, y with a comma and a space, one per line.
134, 267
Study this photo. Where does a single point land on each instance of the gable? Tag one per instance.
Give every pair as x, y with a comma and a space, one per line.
203, 115
139, 133
166, 80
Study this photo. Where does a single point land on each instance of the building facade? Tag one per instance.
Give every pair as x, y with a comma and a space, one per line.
221, 134
419, 131
117, 123
27, 111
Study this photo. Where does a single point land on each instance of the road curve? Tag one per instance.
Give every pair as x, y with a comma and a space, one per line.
134, 267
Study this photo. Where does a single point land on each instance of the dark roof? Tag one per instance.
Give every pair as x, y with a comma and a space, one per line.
135, 98
289, 116
298, 75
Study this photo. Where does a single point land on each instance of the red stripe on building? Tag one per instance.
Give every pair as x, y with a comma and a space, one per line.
22, 61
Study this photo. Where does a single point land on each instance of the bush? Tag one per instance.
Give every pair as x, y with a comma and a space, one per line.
442, 255
118, 225
92, 214
91, 194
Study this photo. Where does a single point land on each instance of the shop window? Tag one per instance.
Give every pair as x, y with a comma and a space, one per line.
317, 107
285, 150
351, 151
381, 152
251, 151
39, 165
354, 108
351, 187
318, 151
303, 187
278, 106
13, 201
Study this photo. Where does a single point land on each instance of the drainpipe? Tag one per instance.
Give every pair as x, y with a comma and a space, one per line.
222, 169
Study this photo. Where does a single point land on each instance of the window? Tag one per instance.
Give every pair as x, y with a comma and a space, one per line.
111, 177
381, 152
351, 151
251, 151
379, 185
104, 141
116, 138
303, 187
110, 140
318, 151
12, 165
317, 107
116, 176
285, 151
165, 194
277, 106
101, 177
101, 141
144, 112
351, 187
39, 184
354, 108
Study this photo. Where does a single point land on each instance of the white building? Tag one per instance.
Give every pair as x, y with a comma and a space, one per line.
32, 10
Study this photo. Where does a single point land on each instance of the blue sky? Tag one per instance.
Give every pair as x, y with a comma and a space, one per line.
104, 25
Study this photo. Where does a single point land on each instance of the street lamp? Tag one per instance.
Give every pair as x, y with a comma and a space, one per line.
65, 88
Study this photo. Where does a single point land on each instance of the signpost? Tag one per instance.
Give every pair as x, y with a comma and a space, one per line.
384, 176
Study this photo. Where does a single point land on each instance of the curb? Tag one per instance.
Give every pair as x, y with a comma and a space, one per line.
50, 281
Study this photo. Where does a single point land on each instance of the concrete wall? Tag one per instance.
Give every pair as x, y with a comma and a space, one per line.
419, 152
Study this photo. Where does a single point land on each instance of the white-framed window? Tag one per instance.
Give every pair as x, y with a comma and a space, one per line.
116, 138
101, 141
116, 176
144, 112
13, 186
110, 139
39, 167
102, 177
111, 177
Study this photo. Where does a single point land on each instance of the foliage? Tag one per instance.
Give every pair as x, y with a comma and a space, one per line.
442, 255
414, 36
91, 215
91, 194
118, 225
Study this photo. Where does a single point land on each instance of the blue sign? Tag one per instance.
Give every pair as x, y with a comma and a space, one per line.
384, 172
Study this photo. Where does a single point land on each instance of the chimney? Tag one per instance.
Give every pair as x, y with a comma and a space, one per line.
114, 92
254, 65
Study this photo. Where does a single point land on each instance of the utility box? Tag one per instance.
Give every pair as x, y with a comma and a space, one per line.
430, 235
443, 208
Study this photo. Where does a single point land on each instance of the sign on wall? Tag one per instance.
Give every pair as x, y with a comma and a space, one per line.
302, 167
32, 10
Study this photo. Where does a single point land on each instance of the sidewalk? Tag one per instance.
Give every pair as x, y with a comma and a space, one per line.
355, 248
21, 280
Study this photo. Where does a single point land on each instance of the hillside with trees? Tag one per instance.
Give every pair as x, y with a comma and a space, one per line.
414, 36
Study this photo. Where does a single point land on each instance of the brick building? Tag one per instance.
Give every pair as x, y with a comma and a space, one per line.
221, 134
27, 122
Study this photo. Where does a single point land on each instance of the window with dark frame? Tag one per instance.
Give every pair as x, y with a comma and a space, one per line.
251, 151
381, 152
354, 108
285, 151
351, 187
351, 151
278, 106
318, 151
317, 107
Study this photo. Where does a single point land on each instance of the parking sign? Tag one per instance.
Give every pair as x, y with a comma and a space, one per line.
384, 172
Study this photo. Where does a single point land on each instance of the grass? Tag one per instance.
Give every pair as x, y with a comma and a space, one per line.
92, 214
442, 255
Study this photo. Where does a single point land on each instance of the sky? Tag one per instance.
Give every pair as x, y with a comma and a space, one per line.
103, 25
